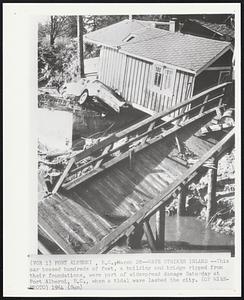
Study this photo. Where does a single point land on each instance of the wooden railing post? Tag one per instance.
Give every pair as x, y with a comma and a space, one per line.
212, 178
205, 101
160, 228
221, 99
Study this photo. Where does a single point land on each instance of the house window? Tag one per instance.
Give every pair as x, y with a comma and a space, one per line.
224, 76
129, 38
163, 78
158, 77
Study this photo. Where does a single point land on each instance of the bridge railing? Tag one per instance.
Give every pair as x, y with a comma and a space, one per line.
89, 162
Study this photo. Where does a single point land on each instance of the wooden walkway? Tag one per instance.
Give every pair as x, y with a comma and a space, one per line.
78, 218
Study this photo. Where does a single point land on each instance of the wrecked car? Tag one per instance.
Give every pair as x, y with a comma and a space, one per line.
94, 91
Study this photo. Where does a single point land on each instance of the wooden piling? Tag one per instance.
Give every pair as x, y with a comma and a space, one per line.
149, 235
135, 238
160, 228
212, 201
182, 202
131, 157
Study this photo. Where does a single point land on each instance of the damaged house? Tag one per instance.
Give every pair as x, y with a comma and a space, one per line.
154, 69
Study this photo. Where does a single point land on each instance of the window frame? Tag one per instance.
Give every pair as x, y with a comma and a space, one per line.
221, 73
162, 74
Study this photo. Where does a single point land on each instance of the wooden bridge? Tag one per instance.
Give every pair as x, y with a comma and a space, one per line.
111, 189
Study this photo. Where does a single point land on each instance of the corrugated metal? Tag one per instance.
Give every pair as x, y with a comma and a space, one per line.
133, 79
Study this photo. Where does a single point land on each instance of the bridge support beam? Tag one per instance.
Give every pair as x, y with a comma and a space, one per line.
135, 238
182, 202
160, 228
212, 178
149, 235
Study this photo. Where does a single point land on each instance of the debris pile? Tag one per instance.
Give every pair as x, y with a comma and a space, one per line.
50, 98
220, 122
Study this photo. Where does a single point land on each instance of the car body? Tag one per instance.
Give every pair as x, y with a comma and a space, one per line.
86, 88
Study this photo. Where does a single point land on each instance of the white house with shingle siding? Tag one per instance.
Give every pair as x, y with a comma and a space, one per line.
154, 69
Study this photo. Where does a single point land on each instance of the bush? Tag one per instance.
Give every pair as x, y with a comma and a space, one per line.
57, 64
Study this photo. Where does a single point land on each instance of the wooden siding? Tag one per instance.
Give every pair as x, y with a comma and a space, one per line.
183, 88
132, 78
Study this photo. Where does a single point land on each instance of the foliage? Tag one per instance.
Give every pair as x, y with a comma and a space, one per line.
95, 22
57, 64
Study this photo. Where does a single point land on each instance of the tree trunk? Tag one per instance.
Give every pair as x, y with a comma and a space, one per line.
80, 45
51, 40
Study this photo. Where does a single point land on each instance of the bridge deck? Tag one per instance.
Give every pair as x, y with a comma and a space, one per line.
90, 211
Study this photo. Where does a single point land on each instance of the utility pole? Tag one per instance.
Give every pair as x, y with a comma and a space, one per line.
80, 45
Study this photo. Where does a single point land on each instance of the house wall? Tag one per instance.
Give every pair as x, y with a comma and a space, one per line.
205, 80
133, 78
208, 78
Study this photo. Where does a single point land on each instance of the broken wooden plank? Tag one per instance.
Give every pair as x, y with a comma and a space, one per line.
105, 151
213, 128
62, 177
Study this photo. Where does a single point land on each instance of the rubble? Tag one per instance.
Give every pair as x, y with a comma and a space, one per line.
220, 122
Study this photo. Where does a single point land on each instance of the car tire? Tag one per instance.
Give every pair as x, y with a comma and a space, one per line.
83, 97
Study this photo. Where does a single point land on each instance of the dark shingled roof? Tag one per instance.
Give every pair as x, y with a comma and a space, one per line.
219, 28
174, 48
182, 50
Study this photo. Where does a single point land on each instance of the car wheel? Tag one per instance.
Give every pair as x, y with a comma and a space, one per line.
83, 97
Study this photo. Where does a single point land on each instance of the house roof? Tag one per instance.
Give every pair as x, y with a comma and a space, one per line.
114, 34
222, 29
174, 48
182, 50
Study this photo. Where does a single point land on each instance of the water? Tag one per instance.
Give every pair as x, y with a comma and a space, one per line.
191, 232
185, 234
89, 123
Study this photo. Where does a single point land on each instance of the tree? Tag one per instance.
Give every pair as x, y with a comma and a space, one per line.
95, 22
59, 25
